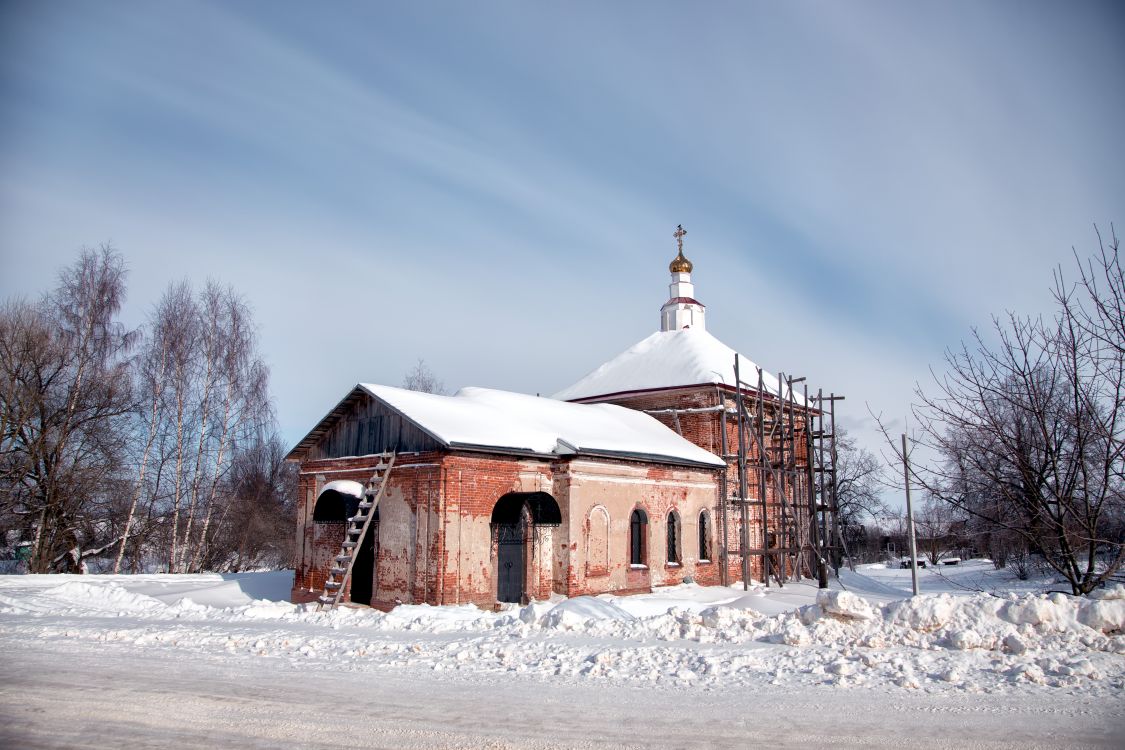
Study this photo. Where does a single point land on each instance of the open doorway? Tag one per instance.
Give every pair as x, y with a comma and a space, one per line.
514, 520
365, 569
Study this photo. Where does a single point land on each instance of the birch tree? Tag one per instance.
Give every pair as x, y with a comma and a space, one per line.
150, 371
182, 318
244, 408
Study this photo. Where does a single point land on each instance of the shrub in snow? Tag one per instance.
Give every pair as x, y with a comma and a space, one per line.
844, 604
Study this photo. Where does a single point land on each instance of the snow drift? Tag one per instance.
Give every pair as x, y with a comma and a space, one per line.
934, 642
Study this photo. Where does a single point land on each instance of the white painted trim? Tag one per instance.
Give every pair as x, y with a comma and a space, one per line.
642, 480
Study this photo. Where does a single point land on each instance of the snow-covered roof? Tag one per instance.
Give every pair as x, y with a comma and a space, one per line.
344, 486
670, 359
485, 418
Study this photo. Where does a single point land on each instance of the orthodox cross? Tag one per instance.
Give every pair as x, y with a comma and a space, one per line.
679, 235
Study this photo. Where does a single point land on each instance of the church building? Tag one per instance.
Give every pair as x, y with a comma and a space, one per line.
615, 484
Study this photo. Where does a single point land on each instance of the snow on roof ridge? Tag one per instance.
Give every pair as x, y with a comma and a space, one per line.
487, 417
669, 359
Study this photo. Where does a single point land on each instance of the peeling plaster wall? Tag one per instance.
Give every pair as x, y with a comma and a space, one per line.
436, 543
600, 488
407, 530
473, 484
705, 429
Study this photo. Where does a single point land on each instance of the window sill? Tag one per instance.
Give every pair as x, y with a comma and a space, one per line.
634, 566
673, 565
702, 562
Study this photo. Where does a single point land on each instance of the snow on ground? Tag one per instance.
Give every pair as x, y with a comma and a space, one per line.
1012, 639
951, 640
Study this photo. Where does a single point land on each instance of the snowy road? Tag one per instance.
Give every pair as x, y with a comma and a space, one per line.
77, 695
206, 660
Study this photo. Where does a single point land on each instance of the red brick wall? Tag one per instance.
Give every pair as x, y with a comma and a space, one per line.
705, 429
436, 543
473, 485
412, 492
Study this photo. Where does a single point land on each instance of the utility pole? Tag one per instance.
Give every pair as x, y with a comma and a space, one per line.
910, 518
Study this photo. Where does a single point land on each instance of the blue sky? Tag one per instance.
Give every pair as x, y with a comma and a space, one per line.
493, 186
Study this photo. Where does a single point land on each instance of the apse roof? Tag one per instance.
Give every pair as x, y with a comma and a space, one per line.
670, 359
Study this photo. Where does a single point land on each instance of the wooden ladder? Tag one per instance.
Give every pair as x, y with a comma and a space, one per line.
341, 571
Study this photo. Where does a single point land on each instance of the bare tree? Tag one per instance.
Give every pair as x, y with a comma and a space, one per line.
150, 369
262, 487
859, 482
422, 379
104, 454
65, 399
935, 529
244, 408
213, 397
212, 328
1029, 431
860, 507
181, 315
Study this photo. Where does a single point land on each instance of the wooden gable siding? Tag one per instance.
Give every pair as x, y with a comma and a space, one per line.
371, 427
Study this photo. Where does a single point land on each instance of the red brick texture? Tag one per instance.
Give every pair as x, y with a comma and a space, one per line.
436, 543
704, 427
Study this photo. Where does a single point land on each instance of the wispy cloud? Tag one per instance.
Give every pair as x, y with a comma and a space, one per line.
860, 182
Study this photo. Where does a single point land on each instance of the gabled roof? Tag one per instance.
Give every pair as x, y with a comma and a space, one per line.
500, 421
670, 359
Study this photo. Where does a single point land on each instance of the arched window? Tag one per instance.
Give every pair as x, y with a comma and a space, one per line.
673, 537
704, 536
638, 533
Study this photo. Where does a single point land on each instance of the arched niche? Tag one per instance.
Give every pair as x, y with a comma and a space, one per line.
514, 521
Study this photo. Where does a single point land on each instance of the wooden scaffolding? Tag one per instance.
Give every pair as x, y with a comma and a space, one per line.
785, 463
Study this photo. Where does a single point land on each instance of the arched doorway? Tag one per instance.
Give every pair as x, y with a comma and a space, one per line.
365, 570
337, 502
514, 520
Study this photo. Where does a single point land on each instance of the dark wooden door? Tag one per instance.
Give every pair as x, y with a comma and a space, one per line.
511, 561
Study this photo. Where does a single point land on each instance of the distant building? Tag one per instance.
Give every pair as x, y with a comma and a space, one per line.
614, 484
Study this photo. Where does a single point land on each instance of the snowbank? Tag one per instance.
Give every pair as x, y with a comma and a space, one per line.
942, 641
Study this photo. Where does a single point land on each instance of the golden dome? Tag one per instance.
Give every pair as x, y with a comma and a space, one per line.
680, 264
